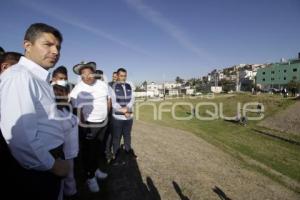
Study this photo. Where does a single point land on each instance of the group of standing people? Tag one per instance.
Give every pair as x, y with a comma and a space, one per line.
46, 122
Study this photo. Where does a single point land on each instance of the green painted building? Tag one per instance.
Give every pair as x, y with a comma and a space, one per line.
277, 75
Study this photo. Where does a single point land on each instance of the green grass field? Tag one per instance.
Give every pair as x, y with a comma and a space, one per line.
234, 138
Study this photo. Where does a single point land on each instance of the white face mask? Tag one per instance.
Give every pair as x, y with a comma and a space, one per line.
63, 83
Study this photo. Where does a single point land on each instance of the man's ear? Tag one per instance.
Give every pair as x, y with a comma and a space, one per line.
27, 45
3, 67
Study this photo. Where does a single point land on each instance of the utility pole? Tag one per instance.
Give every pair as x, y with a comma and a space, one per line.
237, 81
146, 90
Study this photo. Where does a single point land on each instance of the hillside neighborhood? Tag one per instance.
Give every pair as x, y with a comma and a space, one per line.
268, 77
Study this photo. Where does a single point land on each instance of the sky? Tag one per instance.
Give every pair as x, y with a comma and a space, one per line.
157, 40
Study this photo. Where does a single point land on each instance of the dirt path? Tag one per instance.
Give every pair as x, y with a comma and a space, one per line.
175, 164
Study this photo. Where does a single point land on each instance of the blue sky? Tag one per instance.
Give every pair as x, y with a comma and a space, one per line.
160, 39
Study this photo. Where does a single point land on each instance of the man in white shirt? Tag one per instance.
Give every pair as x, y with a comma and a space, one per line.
90, 97
29, 122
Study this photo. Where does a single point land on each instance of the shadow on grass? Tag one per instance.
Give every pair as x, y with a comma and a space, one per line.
179, 191
220, 193
124, 182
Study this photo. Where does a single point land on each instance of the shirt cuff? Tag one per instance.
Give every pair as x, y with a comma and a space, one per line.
46, 165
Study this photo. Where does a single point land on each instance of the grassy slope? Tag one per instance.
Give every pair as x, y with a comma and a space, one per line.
234, 138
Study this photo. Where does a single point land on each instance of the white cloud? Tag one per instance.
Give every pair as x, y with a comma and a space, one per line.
63, 16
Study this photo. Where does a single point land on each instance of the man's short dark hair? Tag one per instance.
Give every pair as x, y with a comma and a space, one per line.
34, 31
115, 72
1, 51
121, 70
61, 70
10, 56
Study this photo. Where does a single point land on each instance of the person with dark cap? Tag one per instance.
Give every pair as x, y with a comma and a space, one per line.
71, 146
9, 59
90, 97
29, 120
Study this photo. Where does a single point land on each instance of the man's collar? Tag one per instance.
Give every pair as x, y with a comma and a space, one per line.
34, 68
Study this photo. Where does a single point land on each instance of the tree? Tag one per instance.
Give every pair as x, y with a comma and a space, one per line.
192, 82
178, 80
139, 89
144, 84
293, 86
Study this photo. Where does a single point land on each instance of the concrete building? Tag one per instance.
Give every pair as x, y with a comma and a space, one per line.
278, 75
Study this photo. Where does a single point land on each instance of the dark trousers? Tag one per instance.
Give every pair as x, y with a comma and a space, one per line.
93, 148
108, 136
121, 128
18, 182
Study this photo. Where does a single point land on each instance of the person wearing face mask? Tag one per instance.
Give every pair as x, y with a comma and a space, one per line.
71, 146
60, 76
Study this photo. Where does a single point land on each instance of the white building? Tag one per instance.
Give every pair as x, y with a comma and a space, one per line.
173, 92
216, 89
247, 74
172, 85
190, 91
153, 90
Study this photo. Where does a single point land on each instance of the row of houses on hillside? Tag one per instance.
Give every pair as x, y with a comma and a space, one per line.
241, 77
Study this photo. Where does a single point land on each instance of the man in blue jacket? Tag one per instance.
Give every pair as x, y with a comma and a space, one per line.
122, 120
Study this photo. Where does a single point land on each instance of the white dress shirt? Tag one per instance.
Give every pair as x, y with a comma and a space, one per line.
92, 99
29, 116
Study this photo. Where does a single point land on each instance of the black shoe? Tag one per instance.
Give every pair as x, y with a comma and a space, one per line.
117, 160
132, 154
